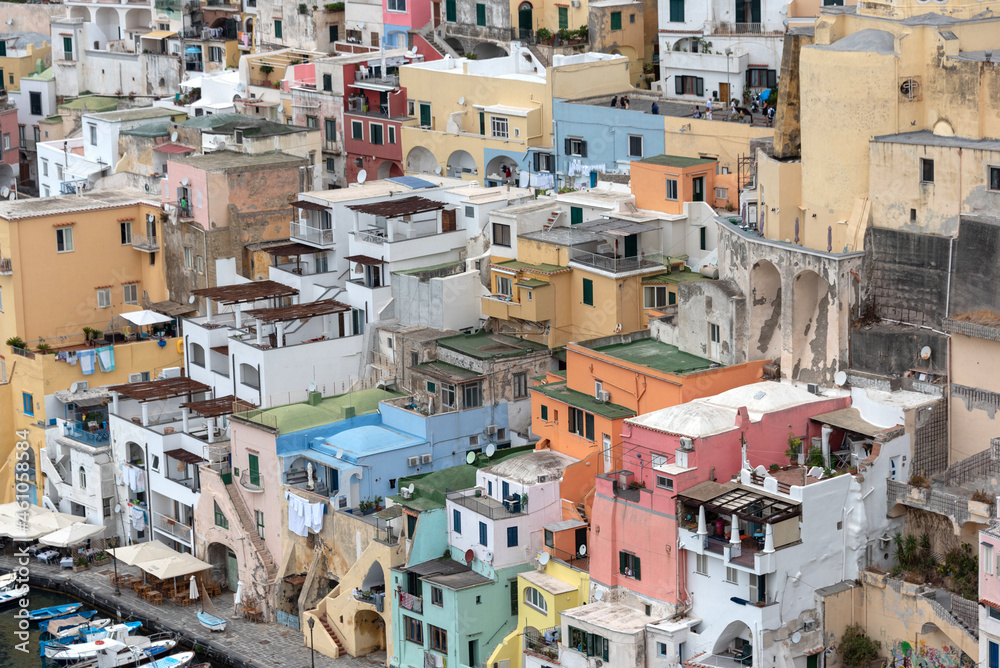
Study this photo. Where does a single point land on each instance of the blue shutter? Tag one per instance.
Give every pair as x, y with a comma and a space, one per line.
505, 486
994, 655
482, 535
456, 521
511, 536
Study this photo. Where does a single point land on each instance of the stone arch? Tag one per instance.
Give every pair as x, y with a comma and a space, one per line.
138, 19
219, 22
369, 632
135, 453
810, 326
455, 43
108, 24
421, 161
248, 24
225, 563
461, 162
487, 50
494, 169
388, 168
80, 13
374, 579
765, 311
736, 629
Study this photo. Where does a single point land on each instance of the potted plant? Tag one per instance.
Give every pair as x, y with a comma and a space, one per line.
794, 451
919, 487
774, 467
16, 342
544, 35
981, 504
43, 348
637, 484
101, 557
81, 564
266, 70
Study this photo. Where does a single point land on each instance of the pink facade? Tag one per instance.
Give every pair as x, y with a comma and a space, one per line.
416, 15
426, 49
8, 128
372, 127
248, 442
989, 575
195, 191
643, 521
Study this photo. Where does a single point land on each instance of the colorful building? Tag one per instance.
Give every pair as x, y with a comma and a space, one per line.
20, 55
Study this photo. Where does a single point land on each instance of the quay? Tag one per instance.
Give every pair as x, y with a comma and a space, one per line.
243, 643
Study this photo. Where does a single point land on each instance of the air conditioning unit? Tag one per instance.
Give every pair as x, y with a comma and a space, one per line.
603, 396
171, 372
543, 478
406, 493
79, 386
425, 459
575, 3
491, 429
687, 445
813, 388
135, 378
412, 461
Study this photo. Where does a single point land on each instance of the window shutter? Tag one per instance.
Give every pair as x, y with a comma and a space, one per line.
679, 85
535, 159
583, 149
772, 79
589, 420
636, 570
621, 563
699, 84
567, 145
588, 292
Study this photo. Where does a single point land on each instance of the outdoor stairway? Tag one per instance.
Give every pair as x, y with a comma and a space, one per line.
553, 219
333, 634
250, 527
580, 508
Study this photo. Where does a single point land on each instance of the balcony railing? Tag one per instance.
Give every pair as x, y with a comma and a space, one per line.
146, 244
727, 28
377, 237
86, 432
411, 602
251, 482
331, 146
543, 643
389, 80
487, 506
6, 266
610, 263
309, 234
172, 527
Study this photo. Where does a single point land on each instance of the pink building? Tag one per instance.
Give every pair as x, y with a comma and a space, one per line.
989, 596
634, 524
400, 16
11, 145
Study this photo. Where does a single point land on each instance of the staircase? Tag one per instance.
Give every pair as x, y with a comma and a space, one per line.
582, 510
333, 634
429, 33
551, 222
250, 528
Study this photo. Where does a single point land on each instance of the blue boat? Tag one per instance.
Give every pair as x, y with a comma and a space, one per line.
53, 612
13, 594
211, 622
53, 622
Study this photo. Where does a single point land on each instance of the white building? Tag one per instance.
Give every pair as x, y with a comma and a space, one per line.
35, 99
502, 518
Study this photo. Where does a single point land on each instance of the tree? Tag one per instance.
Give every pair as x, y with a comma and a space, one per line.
856, 648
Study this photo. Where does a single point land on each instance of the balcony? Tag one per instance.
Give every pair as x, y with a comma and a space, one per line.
613, 264
314, 236
87, 432
331, 146
172, 527
543, 643
372, 236
145, 244
251, 482
6, 266
478, 502
386, 83
412, 603
722, 28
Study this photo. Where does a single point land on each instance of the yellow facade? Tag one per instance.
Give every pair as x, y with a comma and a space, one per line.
573, 587
14, 67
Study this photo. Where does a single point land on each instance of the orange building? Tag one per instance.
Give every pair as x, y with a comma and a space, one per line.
666, 182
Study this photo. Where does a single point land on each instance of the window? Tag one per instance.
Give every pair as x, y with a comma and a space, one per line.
471, 396
334, 33
511, 536
64, 240
654, 296
474, 442
588, 292
576, 146
732, 575
258, 515
28, 403
677, 11
392, 134
197, 354
437, 597
993, 612
104, 298
431, 387
3, 48
456, 521
505, 286
396, 5
375, 134
249, 376
130, 293
106, 505
994, 178
331, 165
480, 14
45, 191
277, 29
629, 566
357, 130
661, 649
448, 395
544, 162
199, 264
512, 585
312, 122
703, 238
520, 385
688, 85
701, 564
616, 20
450, 11
635, 146
45, 167
330, 129
126, 229
590, 644
155, 464
760, 77
564, 18
220, 518
82, 475
483, 536
328, 78
581, 423
501, 235
499, 127
92, 130
664, 482
758, 589
535, 599
188, 258
544, 412
439, 637
550, 538
215, 54
721, 193
413, 630
6, 141
926, 170
987, 559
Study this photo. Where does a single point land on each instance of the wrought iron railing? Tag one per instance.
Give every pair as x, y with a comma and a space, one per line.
376, 237
611, 263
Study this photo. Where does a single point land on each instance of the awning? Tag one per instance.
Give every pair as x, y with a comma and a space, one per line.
364, 259
146, 317
192, 49
309, 206
83, 170
84, 398
615, 226
159, 34
849, 419
172, 308
182, 455
290, 250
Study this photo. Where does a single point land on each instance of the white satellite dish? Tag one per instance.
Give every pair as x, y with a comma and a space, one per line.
925, 353
543, 558
362, 176
5, 192
173, 136
118, 507
461, 101
10, 21
470, 457
598, 594
582, 550
413, 51
191, 299
491, 450
340, 454
840, 378
150, 25
184, 181
437, 170
361, 25
796, 637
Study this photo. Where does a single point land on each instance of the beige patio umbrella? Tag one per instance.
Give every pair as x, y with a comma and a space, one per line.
133, 555
33, 523
74, 534
173, 567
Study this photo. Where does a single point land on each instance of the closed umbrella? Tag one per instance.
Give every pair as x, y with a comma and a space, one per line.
194, 588
238, 597
74, 534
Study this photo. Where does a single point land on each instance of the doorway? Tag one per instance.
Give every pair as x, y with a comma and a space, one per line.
232, 570
698, 189
524, 20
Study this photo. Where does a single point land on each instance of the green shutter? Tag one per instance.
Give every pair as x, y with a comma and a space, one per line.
588, 292
449, 11
480, 14
545, 412
616, 20
621, 563
277, 29
588, 419
564, 18
425, 115
636, 570
677, 11
3, 48
482, 123
575, 215
254, 470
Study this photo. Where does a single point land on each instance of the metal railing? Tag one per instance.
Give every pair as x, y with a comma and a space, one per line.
544, 642
486, 505
728, 28
411, 602
611, 263
6, 266
377, 237
387, 80
251, 482
173, 527
79, 431
307, 233
144, 243
21, 352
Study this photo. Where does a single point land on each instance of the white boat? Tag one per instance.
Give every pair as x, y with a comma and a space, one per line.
112, 653
208, 616
91, 635
13, 594
173, 661
8, 580
67, 629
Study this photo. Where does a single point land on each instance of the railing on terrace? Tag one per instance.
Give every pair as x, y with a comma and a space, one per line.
377, 237
172, 527
411, 602
83, 432
611, 263
252, 482
758, 479
740, 553
487, 506
543, 642
6, 266
142, 242
21, 352
316, 235
728, 28
386, 535
387, 80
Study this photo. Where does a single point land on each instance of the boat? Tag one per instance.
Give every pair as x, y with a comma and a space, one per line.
55, 611
50, 625
89, 635
13, 594
69, 632
8, 580
174, 661
60, 626
208, 616
112, 653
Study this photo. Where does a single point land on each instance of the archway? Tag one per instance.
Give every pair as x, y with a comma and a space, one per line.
135, 453
487, 50
80, 13
495, 174
765, 311
219, 22
421, 161
810, 324
138, 20
225, 567
108, 25
461, 162
388, 169
375, 579
369, 632
737, 633
525, 24
248, 25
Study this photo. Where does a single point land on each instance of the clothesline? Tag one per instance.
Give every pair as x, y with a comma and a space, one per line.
304, 516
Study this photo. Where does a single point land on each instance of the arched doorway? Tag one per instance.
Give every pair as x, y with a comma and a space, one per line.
495, 170
388, 169
765, 311
369, 632
810, 323
461, 162
135, 453
421, 161
225, 567
487, 50
525, 26
735, 638
109, 27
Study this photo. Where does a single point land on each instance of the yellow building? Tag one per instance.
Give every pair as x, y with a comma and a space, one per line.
67, 263
20, 54
542, 595
474, 118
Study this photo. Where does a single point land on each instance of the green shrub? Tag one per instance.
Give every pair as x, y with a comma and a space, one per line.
856, 648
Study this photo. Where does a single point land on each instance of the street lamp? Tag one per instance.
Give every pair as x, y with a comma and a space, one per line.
729, 91
312, 649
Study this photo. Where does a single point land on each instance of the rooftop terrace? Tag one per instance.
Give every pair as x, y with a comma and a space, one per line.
657, 355
296, 417
484, 345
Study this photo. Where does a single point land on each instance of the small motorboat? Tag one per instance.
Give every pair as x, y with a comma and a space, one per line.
55, 611
8, 580
174, 661
13, 594
49, 626
112, 653
89, 634
60, 626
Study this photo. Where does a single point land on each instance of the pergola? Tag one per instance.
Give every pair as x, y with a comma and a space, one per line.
279, 315
243, 293
156, 390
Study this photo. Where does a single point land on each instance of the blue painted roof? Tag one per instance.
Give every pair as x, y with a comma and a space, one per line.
370, 440
411, 182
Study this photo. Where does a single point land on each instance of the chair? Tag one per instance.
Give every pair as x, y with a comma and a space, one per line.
745, 657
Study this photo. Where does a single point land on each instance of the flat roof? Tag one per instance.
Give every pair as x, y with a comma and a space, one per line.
371, 440
302, 415
298, 311
657, 355
678, 161
230, 160
121, 115
92, 103
526, 468
517, 265
560, 392
615, 226
166, 388
447, 372
928, 138
675, 277
486, 345
156, 129
245, 292
398, 207
573, 235
613, 616
549, 583
62, 204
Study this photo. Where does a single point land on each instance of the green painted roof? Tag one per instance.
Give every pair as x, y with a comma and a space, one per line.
560, 392
483, 345
532, 283
94, 103
44, 75
440, 369
657, 355
51, 119
433, 267
157, 129
685, 276
516, 265
296, 417
676, 161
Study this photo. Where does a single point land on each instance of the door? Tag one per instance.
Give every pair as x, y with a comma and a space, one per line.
524, 20
473, 652
259, 516
714, 337
632, 245
232, 570
254, 465
607, 452
994, 655
575, 215
698, 189
581, 538
425, 115
724, 93
68, 48
437, 13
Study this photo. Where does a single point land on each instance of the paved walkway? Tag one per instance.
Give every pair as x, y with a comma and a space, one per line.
241, 644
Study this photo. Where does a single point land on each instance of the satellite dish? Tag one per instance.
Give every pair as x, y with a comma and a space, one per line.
340, 454
598, 594
118, 507
491, 450
543, 558
5, 192
583, 550
173, 136
150, 25
184, 181
191, 299
437, 170
469, 556
925, 353
10, 21
461, 101
413, 51
470, 457
796, 637
361, 25
362, 176
221, 146
840, 378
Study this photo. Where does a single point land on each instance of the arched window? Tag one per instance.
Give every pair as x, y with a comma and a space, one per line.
249, 376
197, 355
534, 598
83, 478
